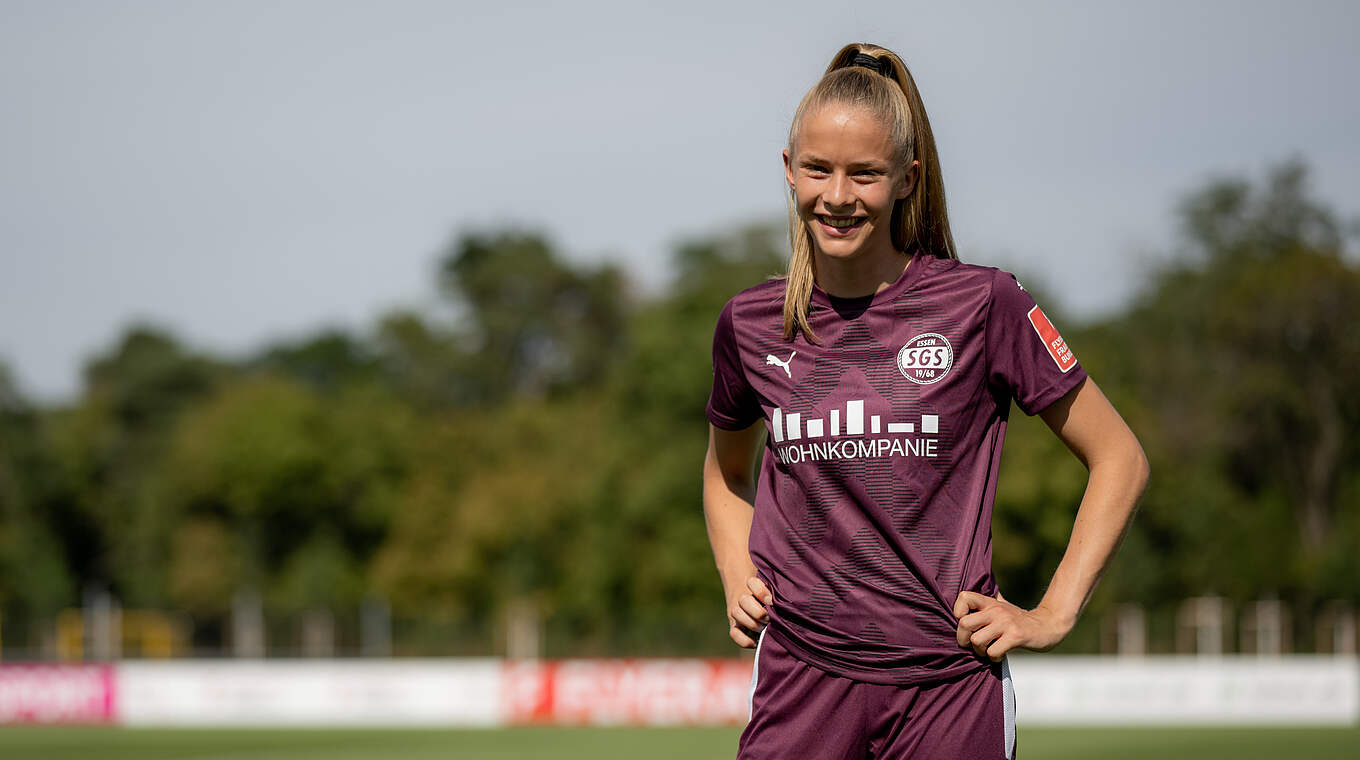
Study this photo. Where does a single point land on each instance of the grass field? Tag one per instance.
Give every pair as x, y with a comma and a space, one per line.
24, 742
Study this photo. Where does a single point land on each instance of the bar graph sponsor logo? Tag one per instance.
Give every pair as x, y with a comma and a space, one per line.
841, 434
926, 358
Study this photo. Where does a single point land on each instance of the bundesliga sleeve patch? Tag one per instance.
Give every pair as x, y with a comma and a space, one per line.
1057, 347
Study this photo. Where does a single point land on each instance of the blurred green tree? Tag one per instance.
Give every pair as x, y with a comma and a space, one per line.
424, 363
108, 449
327, 361
1238, 365
535, 324
270, 485
34, 577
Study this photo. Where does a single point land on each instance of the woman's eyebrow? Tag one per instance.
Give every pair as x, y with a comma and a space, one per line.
863, 164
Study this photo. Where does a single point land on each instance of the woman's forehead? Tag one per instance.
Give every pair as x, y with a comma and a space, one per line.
843, 129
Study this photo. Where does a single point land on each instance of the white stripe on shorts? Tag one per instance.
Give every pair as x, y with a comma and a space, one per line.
1008, 704
755, 671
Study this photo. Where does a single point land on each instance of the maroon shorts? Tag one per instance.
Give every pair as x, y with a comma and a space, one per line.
799, 711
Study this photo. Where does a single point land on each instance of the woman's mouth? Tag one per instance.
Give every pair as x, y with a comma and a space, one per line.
840, 226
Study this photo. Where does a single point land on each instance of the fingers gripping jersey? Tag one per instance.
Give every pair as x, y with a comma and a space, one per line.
874, 504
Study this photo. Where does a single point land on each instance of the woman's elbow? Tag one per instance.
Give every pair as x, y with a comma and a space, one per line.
1140, 470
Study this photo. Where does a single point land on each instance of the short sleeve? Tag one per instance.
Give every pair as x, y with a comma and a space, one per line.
1026, 355
732, 405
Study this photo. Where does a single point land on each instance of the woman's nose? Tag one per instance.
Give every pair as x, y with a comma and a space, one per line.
838, 191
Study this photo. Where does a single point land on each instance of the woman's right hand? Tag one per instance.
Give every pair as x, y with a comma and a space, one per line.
747, 615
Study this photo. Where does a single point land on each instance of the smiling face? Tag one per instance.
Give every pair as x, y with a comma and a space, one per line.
846, 179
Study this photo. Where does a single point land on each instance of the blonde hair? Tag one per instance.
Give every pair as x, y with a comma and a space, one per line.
921, 218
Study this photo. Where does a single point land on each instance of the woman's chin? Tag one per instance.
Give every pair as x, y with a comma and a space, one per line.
842, 249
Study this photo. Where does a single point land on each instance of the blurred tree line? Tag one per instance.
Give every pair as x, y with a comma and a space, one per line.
544, 448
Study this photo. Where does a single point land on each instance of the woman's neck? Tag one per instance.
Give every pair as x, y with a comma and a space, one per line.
861, 276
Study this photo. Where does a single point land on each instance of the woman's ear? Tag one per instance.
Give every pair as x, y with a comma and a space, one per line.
909, 181
788, 169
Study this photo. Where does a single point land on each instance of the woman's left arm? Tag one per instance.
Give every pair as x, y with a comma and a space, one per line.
1098, 436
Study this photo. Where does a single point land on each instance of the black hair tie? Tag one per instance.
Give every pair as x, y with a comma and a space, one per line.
881, 65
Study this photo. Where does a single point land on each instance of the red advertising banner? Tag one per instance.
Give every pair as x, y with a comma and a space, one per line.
48, 693
627, 692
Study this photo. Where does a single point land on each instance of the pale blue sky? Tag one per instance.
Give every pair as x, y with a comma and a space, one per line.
244, 171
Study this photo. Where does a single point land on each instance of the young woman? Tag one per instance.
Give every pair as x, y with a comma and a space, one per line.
880, 373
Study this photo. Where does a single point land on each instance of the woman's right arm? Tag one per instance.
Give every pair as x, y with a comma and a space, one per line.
729, 492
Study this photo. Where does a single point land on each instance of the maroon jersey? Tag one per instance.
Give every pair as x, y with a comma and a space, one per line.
874, 504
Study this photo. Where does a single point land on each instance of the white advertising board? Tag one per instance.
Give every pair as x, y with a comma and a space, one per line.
450, 692
1298, 689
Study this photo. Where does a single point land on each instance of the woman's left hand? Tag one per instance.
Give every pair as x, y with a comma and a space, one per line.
993, 626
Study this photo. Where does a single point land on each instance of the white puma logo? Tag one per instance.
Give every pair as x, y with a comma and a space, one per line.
772, 359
